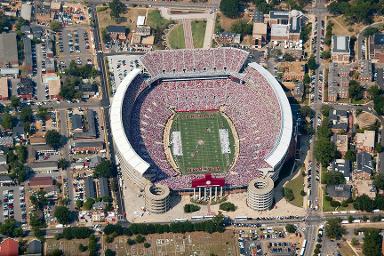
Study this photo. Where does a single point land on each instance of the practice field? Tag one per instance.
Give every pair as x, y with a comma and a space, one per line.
202, 142
169, 244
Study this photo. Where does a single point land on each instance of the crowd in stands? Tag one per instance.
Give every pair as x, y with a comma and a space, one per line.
194, 61
252, 106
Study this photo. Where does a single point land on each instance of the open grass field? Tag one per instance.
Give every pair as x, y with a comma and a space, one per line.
198, 32
129, 17
196, 243
69, 247
201, 144
176, 37
296, 184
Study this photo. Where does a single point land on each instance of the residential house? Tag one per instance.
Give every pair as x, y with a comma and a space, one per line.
365, 141
26, 88
339, 120
8, 50
341, 52
341, 142
343, 166
41, 181
103, 189
365, 71
4, 88
52, 81
364, 166
9, 247
90, 127
339, 192
89, 188
6, 141
34, 248
44, 166
87, 147
5, 180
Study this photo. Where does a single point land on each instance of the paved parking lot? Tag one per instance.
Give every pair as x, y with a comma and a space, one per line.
12, 203
74, 43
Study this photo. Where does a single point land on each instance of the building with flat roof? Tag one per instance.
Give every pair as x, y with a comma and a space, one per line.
339, 120
341, 52
8, 50
376, 48
364, 165
54, 85
4, 88
365, 141
44, 166
343, 166
338, 81
28, 63
103, 189
89, 188
26, 11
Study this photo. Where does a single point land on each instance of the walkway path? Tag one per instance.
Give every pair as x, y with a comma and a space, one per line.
187, 27
209, 16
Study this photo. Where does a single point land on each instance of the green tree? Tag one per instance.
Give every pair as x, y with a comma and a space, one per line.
63, 215
147, 245
374, 91
312, 64
355, 241
370, 31
63, 163
15, 102
26, 114
55, 26
140, 239
109, 252
54, 139
364, 203
325, 110
334, 229
117, 8
42, 113
242, 27
230, 8
290, 228
350, 218
191, 208
88, 203
325, 55
379, 181
228, 207
11, 228
7, 121
356, 91
104, 169
372, 242
288, 194
68, 90
350, 155
325, 151
333, 178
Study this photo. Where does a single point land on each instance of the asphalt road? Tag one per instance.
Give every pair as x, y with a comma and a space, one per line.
160, 3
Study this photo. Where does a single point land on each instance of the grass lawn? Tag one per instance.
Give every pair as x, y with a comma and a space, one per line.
176, 37
201, 142
345, 249
328, 208
155, 21
198, 32
297, 184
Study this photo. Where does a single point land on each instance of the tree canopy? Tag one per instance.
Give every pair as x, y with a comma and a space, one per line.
372, 242
334, 229
54, 139
63, 215
325, 151
290, 228
356, 91
230, 8
11, 228
228, 207
117, 8
104, 169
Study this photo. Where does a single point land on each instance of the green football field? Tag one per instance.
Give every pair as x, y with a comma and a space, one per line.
200, 142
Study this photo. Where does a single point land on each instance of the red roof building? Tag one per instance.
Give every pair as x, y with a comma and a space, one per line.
208, 181
9, 247
40, 182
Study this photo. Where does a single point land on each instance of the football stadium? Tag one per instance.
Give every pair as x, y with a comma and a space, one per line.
194, 116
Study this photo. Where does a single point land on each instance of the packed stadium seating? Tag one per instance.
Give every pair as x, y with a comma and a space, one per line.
252, 106
194, 61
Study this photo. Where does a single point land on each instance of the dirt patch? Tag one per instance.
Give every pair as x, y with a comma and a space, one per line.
129, 18
365, 120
